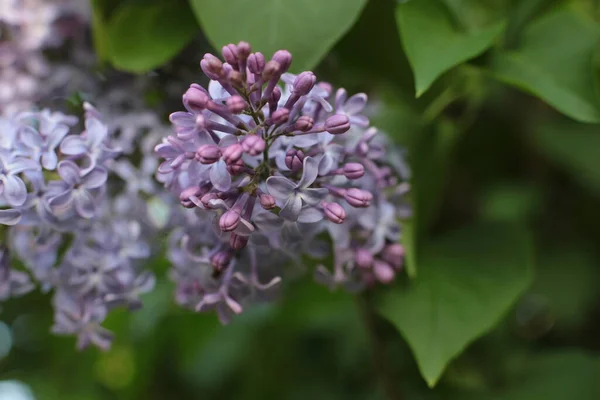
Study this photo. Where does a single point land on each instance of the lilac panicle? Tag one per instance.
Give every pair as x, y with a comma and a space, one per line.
263, 162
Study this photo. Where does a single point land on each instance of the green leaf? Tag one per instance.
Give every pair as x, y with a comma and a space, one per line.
307, 28
467, 281
574, 147
434, 44
555, 62
568, 374
145, 36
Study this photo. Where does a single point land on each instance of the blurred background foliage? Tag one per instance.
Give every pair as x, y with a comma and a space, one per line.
497, 105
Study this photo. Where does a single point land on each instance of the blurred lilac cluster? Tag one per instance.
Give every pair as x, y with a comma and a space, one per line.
269, 165
74, 216
27, 29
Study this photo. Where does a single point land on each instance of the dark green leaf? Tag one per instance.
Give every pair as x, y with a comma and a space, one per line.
555, 61
307, 28
145, 36
433, 42
467, 281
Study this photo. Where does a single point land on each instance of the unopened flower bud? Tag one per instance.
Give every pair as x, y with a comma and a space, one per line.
230, 54
229, 221
238, 242
272, 70
284, 58
195, 98
294, 159
354, 170
233, 153
334, 212
281, 116
304, 123
207, 198
276, 95
394, 254
221, 260
304, 83
337, 124
253, 145
358, 197
236, 104
236, 168
244, 50
256, 63
187, 194
212, 66
267, 201
208, 154
383, 271
363, 258
235, 78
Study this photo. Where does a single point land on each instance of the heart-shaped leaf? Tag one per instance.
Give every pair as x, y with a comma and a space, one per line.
307, 28
467, 281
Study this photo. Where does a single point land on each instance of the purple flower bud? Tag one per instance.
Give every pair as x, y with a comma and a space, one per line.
244, 50
253, 145
337, 124
236, 168
334, 212
354, 170
284, 58
235, 78
212, 66
394, 254
304, 83
186, 194
195, 98
272, 70
364, 258
358, 197
208, 154
229, 221
276, 95
207, 198
238, 242
233, 153
236, 104
256, 63
383, 271
281, 116
267, 201
304, 123
230, 54
294, 159
220, 260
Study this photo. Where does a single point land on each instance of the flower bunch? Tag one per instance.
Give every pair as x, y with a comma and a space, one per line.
64, 220
267, 161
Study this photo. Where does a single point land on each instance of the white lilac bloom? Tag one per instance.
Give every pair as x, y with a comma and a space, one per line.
267, 165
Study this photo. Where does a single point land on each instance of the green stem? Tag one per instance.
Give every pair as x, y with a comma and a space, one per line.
378, 351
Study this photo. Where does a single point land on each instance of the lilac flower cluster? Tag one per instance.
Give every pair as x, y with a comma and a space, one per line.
60, 218
266, 162
27, 28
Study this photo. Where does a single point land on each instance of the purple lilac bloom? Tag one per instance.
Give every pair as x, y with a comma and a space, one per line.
263, 164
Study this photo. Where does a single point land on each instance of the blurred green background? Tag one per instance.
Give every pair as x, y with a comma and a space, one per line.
504, 144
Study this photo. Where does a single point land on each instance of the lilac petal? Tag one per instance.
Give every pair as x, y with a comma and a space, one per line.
219, 176
355, 103
182, 118
15, 190
31, 138
245, 228
228, 140
95, 178
233, 305
56, 136
62, 200
268, 222
69, 172
102, 338
10, 217
95, 132
313, 196
359, 120
324, 103
166, 150
145, 282
310, 215
22, 164
309, 173
292, 208
84, 204
49, 160
73, 146
280, 187
340, 98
